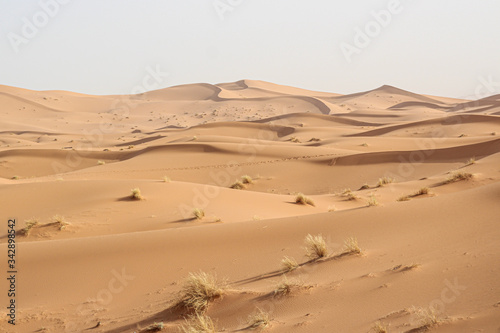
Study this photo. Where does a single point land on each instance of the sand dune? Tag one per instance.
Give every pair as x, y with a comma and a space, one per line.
414, 178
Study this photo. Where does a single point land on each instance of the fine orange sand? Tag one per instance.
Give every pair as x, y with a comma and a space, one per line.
120, 264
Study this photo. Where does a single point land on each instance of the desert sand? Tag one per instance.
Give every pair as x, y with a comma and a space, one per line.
423, 205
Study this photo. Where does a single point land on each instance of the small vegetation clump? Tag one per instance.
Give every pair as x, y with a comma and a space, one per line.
422, 191
155, 327
316, 247
199, 290
136, 194
289, 264
30, 223
379, 328
426, 317
198, 323
166, 179
471, 161
458, 176
285, 287
259, 320
303, 200
349, 195
384, 181
364, 187
198, 213
351, 246
372, 201
238, 185
246, 179
101, 162
60, 221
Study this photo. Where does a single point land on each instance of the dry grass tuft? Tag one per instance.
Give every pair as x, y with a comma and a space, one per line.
379, 328
136, 194
166, 179
422, 191
332, 208
426, 317
349, 195
384, 181
198, 323
351, 246
259, 320
372, 201
30, 224
200, 289
364, 187
316, 247
246, 179
289, 264
458, 176
155, 327
285, 287
303, 200
100, 162
199, 213
238, 185
61, 222
470, 161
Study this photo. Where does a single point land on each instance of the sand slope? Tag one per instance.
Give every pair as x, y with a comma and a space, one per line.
120, 263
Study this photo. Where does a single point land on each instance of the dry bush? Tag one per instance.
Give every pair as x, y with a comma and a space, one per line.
422, 191
289, 264
349, 195
155, 327
198, 323
303, 200
426, 317
100, 162
384, 181
61, 222
285, 287
246, 179
316, 247
199, 289
372, 201
30, 224
166, 179
238, 185
136, 194
404, 198
259, 320
351, 246
458, 176
470, 161
198, 213
379, 328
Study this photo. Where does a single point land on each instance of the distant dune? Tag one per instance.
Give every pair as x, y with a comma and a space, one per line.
217, 171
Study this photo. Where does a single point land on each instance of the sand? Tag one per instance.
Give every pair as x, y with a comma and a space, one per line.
427, 262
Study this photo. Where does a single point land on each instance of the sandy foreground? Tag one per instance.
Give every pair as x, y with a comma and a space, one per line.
424, 207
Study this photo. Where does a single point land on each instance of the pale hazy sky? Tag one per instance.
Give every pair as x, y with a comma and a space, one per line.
440, 47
